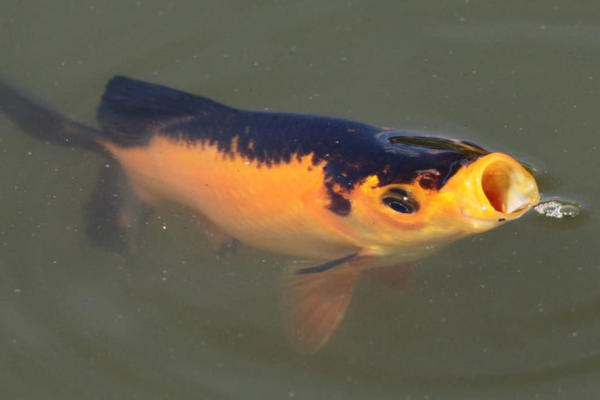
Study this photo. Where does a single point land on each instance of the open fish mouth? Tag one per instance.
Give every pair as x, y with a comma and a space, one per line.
498, 188
508, 187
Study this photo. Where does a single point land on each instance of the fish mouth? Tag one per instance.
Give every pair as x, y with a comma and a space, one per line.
501, 188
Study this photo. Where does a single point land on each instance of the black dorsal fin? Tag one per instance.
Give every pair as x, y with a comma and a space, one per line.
133, 111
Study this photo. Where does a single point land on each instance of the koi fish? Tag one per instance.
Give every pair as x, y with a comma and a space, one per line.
353, 197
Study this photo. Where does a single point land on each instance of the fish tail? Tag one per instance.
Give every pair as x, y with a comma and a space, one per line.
116, 214
42, 121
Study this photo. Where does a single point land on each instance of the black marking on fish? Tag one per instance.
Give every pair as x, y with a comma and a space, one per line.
132, 112
326, 265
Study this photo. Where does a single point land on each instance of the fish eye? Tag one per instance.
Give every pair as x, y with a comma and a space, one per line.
400, 201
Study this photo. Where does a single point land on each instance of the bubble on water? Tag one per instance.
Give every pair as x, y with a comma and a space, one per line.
557, 209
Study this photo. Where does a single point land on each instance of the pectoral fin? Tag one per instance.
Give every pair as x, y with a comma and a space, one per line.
317, 299
394, 277
223, 244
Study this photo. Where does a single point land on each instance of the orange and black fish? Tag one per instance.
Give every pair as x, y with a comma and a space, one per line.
354, 197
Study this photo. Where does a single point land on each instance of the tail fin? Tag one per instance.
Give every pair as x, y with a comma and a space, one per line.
42, 121
115, 215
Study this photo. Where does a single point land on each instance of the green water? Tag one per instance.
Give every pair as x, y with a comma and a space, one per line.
511, 314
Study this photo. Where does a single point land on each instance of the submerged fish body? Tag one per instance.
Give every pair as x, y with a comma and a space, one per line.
349, 195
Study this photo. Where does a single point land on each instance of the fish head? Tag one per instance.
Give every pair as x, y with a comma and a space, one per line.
454, 192
491, 190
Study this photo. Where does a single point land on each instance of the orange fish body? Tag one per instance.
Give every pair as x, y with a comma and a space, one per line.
348, 195
254, 204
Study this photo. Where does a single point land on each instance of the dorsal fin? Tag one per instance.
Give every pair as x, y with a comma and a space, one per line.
133, 111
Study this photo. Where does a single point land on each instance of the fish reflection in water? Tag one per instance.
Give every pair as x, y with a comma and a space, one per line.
356, 198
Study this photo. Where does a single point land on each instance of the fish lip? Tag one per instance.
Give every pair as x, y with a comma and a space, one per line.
498, 189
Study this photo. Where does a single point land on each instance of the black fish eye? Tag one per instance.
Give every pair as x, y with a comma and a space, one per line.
400, 201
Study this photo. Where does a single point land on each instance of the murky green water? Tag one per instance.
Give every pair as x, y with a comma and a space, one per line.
512, 314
